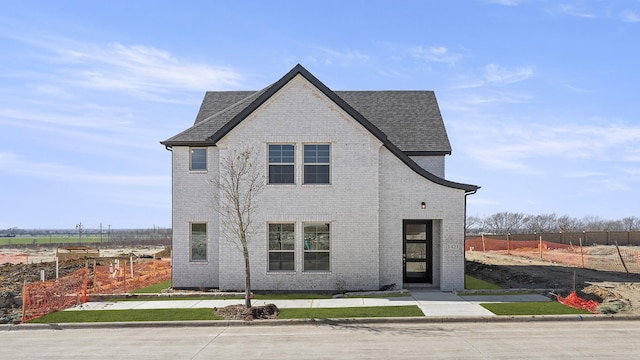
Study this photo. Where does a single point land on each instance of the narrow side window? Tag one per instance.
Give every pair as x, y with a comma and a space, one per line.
198, 242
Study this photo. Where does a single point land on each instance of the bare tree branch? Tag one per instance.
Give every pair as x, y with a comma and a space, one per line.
241, 180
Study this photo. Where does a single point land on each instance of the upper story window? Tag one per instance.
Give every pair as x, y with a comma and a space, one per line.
198, 159
317, 162
281, 164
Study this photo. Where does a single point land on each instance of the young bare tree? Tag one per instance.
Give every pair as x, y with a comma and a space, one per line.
241, 180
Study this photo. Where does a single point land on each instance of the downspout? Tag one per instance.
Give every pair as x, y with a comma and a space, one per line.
465, 233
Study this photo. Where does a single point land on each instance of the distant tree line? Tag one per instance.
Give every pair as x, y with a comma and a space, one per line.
520, 223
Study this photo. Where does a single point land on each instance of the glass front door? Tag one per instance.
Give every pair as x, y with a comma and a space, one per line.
417, 251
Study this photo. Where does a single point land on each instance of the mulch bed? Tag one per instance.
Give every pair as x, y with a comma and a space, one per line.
240, 312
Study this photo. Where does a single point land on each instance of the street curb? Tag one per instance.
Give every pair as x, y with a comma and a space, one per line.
330, 322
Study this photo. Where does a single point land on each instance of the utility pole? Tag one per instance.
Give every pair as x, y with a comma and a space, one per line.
109, 233
79, 227
100, 233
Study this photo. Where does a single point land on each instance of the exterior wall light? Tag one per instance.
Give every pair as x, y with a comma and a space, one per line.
423, 205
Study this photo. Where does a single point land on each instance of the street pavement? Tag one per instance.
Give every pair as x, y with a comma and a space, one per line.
335, 340
433, 303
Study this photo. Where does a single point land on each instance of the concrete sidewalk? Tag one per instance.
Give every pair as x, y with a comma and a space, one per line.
432, 303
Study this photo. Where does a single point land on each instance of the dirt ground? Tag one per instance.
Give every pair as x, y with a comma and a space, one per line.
13, 276
619, 291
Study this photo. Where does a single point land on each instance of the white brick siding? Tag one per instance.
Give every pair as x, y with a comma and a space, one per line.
371, 192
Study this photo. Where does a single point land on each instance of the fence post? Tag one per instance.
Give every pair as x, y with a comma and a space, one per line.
621, 259
483, 246
540, 246
581, 253
24, 300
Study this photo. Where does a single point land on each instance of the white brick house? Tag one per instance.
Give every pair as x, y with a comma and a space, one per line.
355, 196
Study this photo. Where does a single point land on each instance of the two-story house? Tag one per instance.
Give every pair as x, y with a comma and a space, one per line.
354, 197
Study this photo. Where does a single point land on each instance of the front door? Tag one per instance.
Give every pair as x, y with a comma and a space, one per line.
416, 251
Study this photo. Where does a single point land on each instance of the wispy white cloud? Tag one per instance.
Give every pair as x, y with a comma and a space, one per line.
512, 146
506, 2
328, 56
496, 74
629, 16
139, 70
576, 10
14, 165
142, 69
584, 174
438, 54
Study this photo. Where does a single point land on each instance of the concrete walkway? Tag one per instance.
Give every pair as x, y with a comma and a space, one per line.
432, 303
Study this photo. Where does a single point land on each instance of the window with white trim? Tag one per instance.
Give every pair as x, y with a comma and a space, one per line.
198, 242
281, 164
317, 163
317, 245
282, 247
198, 159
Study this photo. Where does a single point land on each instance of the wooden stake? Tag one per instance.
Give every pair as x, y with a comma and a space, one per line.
621, 259
581, 253
24, 300
540, 246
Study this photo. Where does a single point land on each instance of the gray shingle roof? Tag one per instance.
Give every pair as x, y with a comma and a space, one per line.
410, 119
407, 122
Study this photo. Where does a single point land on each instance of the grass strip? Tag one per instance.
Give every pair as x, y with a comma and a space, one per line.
154, 289
499, 293
532, 308
207, 314
127, 315
472, 283
351, 312
379, 296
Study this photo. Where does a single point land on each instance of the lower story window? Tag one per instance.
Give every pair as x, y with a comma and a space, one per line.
281, 247
198, 242
317, 255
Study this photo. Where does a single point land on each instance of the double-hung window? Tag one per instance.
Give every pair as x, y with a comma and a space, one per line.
317, 163
317, 247
281, 164
198, 242
198, 159
281, 247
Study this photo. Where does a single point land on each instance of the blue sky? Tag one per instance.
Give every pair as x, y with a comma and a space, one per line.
540, 98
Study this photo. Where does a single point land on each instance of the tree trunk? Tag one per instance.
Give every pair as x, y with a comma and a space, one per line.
247, 276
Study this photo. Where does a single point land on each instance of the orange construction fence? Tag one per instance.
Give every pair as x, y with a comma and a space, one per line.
123, 276
42, 298
574, 301
607, 258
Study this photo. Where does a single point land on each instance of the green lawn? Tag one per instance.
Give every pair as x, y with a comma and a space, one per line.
355, 312
472, 283
154, 289
207, 314
127, 315
54, 239
532, 308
